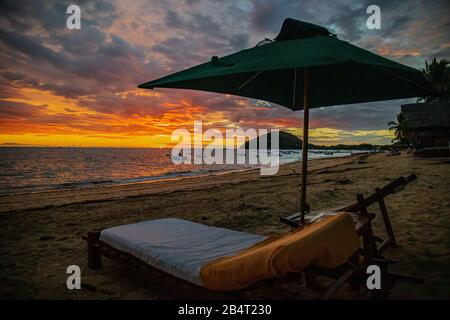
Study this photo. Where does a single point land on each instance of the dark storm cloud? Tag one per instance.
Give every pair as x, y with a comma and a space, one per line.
24, 15
13, 76
99, 62
31, 49
118, 47
365, 116
198, 23
109, 62
14, 110
81, 43
184, 52
239, 41
88, 62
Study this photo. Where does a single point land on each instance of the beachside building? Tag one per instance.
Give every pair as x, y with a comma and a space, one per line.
429, 127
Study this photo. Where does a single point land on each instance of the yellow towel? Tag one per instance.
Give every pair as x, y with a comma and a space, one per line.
328, 243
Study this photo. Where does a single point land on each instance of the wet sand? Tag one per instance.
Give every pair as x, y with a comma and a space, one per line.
40, 233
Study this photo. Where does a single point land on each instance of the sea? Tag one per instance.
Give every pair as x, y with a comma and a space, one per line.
37, 169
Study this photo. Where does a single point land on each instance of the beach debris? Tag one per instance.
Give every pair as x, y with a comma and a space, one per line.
108, 289
89, 287
393, 152
45, 238
344, 181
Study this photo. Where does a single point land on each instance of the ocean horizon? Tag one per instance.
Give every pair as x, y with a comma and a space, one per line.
35, 169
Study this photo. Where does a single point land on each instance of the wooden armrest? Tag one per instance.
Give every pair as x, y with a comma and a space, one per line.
363, 221
393, 187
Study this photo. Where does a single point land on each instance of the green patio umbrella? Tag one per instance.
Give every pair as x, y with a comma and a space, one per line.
304, 67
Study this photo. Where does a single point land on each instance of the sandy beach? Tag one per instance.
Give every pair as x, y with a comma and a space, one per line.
40, 233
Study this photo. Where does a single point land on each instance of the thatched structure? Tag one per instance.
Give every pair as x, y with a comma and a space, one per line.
429, 127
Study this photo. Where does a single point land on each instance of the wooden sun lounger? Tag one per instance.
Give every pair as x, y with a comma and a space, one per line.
354, 270
351, 272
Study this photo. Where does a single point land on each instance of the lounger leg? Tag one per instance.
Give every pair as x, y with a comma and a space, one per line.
406, 278
370, 249
355, 281
387, 222
311, 279
369, 246
94, 255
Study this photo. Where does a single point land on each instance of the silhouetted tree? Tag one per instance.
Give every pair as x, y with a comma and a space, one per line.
400, 128
438, 74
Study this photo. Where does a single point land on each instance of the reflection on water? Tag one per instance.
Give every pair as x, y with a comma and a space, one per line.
33, 169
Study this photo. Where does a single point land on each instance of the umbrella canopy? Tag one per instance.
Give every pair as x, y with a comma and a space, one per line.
304, 67
340, 73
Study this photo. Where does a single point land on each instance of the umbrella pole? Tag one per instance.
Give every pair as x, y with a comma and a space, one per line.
305, 144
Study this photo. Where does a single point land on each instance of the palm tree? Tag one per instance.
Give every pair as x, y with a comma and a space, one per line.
400, 128
438, 74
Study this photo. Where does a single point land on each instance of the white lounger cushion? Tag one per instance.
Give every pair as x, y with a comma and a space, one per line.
178, 247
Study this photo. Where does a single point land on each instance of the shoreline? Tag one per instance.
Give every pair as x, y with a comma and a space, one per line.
157, 177
94, 184
99, 190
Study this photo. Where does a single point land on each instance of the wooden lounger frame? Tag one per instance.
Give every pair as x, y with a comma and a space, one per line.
361, 205
353, 271
98, 248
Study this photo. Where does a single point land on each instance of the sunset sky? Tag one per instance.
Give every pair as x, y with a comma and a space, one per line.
61, 87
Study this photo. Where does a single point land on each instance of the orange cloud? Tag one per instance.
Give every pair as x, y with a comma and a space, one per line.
398, 53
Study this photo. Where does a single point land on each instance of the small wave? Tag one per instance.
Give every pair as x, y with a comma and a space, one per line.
162, 176
82, 183
49, 187
96, 183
